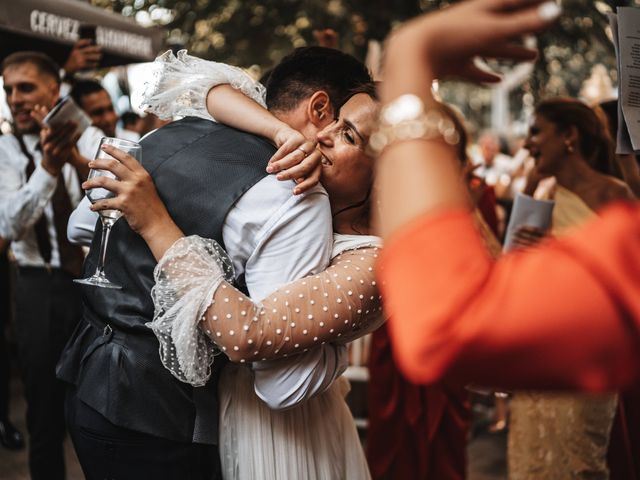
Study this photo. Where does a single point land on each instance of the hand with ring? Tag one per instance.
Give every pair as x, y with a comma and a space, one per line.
296, 159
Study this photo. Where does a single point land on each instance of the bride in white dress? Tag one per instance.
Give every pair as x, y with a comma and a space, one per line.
199, 314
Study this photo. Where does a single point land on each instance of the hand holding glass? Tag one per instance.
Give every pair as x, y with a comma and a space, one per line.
107, 217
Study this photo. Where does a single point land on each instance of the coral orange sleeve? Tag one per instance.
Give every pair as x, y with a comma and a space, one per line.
563, 315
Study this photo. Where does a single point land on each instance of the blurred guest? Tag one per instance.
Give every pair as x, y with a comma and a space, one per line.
415, 431
566, 139
624, 454
38, 192
565, 314
132, 122
418, 431
496, 165
96, 102
427, 424
10, 437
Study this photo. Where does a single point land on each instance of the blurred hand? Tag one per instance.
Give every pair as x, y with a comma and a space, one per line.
57, 144
546, 189
296, 159
446, 43
73, 156
526, 236
38, 113
80, 163
84, 56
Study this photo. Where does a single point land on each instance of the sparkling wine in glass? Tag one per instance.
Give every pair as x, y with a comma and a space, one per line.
107, 217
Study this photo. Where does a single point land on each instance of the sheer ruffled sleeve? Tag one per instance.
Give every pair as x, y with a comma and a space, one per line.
186, 278
181, 83
193, 302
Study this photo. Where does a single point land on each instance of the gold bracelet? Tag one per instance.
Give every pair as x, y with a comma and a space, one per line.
406, 118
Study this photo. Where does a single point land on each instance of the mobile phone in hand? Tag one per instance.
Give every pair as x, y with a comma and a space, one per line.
86, 31
66, 110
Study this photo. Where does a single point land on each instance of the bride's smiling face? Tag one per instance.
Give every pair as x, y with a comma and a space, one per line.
346, 169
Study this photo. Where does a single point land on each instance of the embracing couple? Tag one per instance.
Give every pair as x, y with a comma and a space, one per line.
278, 411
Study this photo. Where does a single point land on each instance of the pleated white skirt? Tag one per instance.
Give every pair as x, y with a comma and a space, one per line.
317, 440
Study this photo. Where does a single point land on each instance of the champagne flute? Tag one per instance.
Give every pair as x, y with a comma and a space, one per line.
107, 217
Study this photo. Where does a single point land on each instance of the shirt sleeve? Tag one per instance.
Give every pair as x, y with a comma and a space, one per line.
82, 223
89, 142
22, 204
563, 315
294, 242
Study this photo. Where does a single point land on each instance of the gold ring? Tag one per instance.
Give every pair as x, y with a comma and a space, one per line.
303, 151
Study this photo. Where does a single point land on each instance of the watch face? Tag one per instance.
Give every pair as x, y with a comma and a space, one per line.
405, 107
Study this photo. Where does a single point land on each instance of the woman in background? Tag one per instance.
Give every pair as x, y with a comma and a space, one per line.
566, 434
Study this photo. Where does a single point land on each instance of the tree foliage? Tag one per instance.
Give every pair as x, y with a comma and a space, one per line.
260, 32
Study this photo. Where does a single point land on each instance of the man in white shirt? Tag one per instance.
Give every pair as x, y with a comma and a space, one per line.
493, 163
39, 189
96, 102
272, 237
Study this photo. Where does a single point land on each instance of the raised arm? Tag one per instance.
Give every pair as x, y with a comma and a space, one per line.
436, 46
564, 314
182, 82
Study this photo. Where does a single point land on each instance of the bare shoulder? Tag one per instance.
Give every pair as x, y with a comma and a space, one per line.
611, 189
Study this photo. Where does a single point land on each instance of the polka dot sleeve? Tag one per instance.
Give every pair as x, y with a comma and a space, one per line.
337, 305
198, 313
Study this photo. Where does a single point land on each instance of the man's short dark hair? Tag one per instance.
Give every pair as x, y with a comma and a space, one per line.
82, 88
43, 63
310, 69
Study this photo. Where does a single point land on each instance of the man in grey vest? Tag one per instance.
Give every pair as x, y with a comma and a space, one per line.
128, 417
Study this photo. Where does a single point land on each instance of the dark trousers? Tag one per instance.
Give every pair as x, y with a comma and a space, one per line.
48, 307
109, 452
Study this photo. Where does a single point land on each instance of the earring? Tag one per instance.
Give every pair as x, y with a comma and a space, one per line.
569, 146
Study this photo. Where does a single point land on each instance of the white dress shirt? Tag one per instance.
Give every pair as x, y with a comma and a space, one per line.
22, 202
502, 165
273, 237
125, 134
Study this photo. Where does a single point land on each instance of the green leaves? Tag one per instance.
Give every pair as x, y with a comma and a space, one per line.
260, 32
